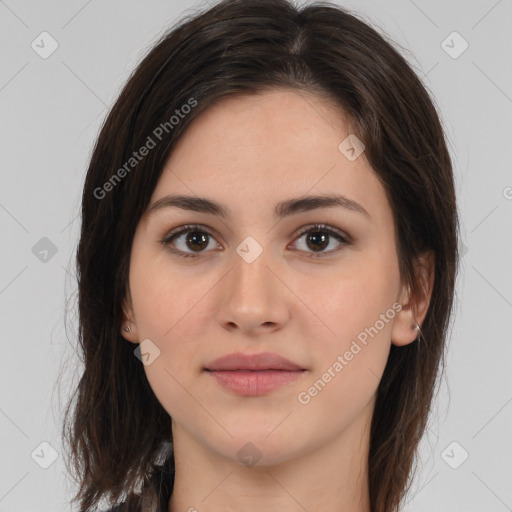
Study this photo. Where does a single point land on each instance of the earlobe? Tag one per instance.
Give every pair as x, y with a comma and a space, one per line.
415, 303
128, 327
128, 331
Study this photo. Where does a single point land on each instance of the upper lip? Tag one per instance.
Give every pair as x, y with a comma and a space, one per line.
261, 361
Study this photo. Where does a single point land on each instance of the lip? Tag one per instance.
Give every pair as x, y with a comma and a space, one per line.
260, 361
253, 374
254, 382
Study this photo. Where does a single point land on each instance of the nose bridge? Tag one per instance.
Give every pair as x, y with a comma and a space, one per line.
252, 295
251, 271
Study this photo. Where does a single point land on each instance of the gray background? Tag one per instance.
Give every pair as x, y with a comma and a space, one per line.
51, 110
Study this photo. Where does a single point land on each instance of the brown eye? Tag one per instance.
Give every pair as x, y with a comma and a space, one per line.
188, 240
197, 240
319, 237
317, 240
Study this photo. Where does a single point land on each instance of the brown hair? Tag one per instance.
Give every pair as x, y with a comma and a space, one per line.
119, 433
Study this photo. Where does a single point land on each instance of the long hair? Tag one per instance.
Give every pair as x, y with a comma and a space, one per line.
118, 433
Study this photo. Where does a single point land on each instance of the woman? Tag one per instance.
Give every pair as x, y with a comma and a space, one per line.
266, 270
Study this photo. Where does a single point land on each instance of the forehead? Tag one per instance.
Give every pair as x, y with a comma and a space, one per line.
272, 119
264, 148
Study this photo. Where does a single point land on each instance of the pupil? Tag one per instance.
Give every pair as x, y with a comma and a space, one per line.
317, 236
198, 237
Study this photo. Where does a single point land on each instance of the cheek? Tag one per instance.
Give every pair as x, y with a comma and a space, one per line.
172, 310
169, 311
163, 300
354, 308
351, 297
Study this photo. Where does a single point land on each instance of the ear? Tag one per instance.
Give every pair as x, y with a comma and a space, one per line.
414, 303
128, 325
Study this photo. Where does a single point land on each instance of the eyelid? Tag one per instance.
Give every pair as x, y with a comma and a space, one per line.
323, 227
187, 227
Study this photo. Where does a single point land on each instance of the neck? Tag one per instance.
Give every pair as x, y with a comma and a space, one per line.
331, 477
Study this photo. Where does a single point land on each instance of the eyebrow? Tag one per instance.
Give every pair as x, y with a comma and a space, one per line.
282, 209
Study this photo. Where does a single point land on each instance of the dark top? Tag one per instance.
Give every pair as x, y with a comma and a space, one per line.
164, 485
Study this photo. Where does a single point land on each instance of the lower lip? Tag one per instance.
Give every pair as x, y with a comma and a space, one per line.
254, 383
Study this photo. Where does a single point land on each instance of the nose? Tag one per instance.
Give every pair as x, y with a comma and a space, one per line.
254, 299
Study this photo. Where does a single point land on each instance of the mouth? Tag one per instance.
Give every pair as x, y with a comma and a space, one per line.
253, 374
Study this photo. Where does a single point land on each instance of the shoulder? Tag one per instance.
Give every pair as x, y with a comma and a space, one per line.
162, 483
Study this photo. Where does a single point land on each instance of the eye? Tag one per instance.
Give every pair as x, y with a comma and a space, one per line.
197, 239
319, 236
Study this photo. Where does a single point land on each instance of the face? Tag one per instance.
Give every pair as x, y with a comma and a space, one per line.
263, 278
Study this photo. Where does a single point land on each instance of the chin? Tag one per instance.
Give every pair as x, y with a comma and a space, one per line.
255, 448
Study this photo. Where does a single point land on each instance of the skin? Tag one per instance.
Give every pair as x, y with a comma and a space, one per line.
249, 153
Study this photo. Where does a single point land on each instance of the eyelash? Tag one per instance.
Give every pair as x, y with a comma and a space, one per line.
169, 238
